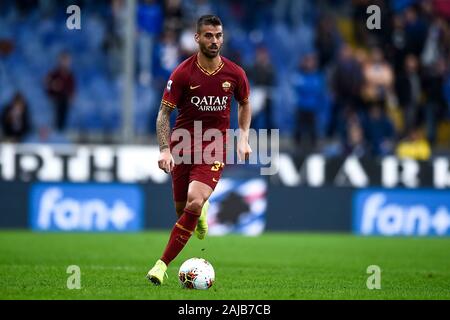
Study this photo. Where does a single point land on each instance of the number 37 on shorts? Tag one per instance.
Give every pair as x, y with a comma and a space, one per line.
217, 166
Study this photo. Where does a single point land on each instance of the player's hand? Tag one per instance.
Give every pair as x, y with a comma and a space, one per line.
166, 162
244, 150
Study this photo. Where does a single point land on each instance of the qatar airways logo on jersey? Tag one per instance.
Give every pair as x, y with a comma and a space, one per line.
210, 103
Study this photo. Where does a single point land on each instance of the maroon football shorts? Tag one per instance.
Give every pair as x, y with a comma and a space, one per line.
183, 174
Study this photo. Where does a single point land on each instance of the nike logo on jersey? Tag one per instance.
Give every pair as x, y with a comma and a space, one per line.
194, 87
214, 179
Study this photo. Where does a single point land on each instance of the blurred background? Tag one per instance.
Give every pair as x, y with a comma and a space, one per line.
335, 89
317, 72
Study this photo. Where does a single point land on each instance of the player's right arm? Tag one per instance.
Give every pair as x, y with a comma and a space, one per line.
171, 98
165, 161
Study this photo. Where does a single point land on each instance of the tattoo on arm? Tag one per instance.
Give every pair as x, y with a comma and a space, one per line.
163, 127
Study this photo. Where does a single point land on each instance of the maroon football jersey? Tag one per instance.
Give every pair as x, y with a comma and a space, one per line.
205, 96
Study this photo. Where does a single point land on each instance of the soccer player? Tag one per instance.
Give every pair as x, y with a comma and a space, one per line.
201, 88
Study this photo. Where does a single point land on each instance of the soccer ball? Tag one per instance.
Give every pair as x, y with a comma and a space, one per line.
196, 273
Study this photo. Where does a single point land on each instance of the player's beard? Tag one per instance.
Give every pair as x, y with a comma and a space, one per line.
207, 51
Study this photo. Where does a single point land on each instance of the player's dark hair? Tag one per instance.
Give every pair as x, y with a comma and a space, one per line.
208, 20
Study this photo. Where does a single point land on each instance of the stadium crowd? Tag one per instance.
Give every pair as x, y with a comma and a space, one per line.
317, 72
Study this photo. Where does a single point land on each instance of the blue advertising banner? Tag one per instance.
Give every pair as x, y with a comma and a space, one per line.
401, 212
86, 207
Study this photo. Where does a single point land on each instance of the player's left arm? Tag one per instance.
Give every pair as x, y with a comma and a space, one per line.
244, 120
242, 95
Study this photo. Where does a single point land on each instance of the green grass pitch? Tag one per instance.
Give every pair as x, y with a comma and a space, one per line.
273, 266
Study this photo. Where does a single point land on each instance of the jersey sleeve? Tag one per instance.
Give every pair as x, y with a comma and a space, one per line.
174, 89
242, 91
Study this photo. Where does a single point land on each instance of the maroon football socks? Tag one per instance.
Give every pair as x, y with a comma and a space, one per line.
180, 235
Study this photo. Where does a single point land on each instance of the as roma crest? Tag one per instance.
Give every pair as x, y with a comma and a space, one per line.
226, 86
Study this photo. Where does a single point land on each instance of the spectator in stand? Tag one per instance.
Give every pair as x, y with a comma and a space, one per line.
347, 78
415, 31
60, 87
379, 131
351, 133
346, 82
113, 41
173, 15
409, 91
166, 56
149, 23
396, 47
414, 146
355, 144
327, 40
16, 119
437, 42
310, 87
378, 78
188, 46
434, 89
262, 76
